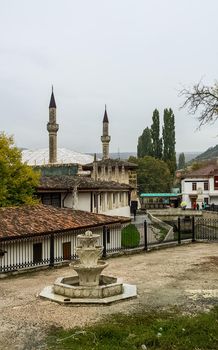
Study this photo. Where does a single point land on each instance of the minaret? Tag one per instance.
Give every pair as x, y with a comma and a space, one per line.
52, 128
105, 138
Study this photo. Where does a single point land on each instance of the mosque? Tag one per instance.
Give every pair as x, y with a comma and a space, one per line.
80, 181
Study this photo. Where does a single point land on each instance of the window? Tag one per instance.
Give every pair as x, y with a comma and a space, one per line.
206, 186
95, 200
100, 199
51, 199
194, 186
108, 235
216, 182
206, 200
37, 253
67, 250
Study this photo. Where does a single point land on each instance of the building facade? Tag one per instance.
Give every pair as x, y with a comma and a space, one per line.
201, 183
84, 193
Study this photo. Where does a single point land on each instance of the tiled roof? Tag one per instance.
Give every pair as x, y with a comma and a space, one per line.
112, 163
67, 182
207, 171
41, 219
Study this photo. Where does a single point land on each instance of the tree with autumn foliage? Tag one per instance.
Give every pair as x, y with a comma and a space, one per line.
17, 180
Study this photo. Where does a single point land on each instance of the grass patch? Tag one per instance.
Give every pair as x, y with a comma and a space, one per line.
161, 331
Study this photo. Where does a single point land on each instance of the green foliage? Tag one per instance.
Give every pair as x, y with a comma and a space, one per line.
130, 236
181, 162
169, 140
198, 165
156, 330
17, 180
153, 175
145, 144
155, 135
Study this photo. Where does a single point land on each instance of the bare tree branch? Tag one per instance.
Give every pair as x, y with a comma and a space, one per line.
204, 99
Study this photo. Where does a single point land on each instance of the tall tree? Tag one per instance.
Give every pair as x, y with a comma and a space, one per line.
169, 140
181, 162
17, 180
144, 147
153, 175
155, 135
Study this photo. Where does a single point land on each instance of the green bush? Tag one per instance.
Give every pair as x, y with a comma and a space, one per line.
130, 236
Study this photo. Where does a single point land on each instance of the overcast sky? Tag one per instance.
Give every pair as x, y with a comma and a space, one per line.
133, 55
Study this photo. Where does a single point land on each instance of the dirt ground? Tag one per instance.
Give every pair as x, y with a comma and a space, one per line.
185, 277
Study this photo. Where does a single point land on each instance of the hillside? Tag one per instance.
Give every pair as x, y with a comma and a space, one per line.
125, 155
210, 153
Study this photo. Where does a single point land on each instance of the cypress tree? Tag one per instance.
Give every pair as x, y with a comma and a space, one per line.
169, 140
144, 147
181, 162
155, 135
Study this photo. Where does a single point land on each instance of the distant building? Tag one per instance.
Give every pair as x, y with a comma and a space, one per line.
203, 181
74, 180
84, 193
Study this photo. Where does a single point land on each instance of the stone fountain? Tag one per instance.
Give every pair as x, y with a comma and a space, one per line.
89, 286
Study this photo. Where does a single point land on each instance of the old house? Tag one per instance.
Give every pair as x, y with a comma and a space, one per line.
203, 181
84, 193
41, 235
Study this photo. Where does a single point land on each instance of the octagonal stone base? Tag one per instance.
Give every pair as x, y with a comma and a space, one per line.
66, 290
69, 287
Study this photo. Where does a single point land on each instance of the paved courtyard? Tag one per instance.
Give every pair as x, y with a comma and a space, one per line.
185, 276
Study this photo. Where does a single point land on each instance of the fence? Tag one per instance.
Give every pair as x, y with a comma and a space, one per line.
35, 251
206, 229
56, 248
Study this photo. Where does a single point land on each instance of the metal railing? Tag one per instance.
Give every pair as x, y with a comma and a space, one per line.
57, 248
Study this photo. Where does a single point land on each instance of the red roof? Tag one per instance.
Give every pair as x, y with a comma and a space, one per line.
209, 170
42, 219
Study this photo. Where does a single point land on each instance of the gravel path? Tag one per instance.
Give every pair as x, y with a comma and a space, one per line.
185, 276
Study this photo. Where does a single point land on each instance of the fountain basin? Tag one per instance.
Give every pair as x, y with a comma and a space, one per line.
89, 275
69, 287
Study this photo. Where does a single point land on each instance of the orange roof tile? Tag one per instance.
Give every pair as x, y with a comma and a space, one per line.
41, 219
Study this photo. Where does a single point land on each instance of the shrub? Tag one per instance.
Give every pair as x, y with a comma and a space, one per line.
130, 236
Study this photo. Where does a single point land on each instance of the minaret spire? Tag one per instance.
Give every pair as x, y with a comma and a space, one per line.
52, 128
105, 138
52, 103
